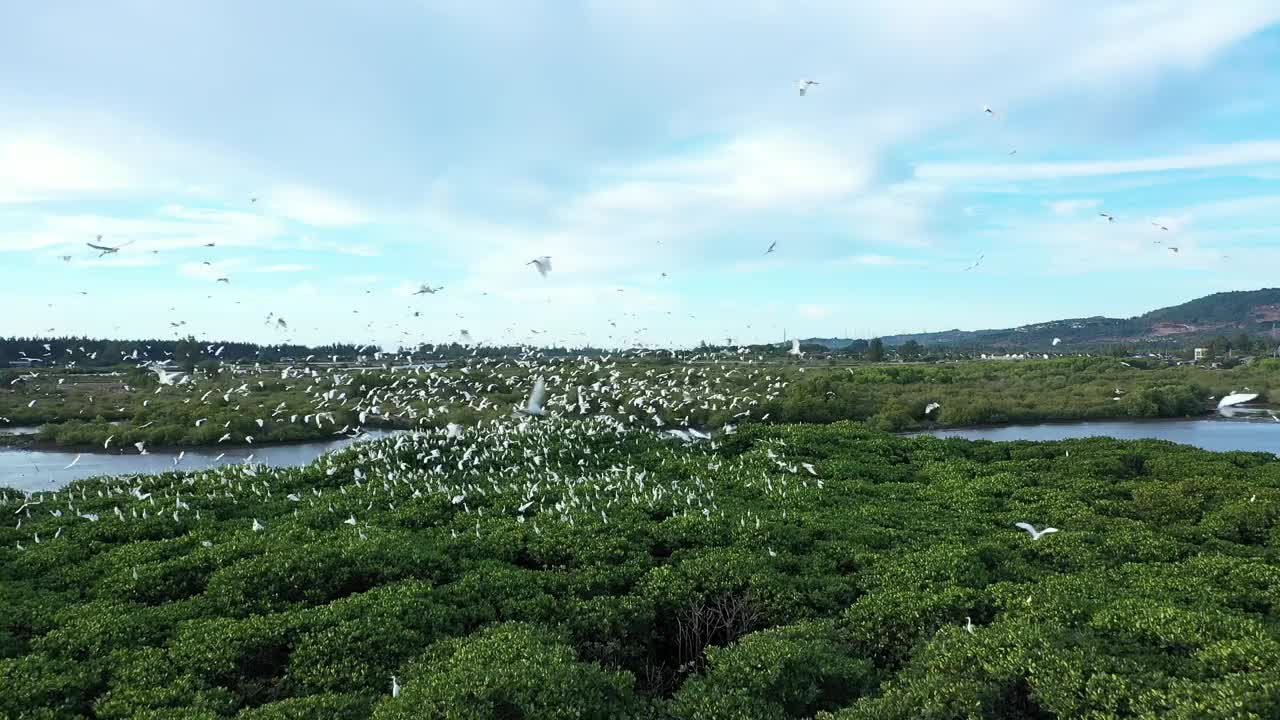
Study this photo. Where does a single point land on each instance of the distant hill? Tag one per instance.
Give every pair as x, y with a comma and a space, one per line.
1226, 313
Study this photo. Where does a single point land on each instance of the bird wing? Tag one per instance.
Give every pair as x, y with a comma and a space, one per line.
1046, 531
538, 395
1026, 526
100, 247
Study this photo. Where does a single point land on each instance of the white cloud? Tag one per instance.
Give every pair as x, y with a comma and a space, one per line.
1071, 207
816, 312
749, 173
117, 261
284, 268
1137, 37
756, 265
898, 214
1236, 154
314, 207
172, 227
367, 279
877, 260
35, 166
209, 270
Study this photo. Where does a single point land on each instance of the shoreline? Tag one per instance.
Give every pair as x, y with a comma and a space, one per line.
49, 446
1210, 415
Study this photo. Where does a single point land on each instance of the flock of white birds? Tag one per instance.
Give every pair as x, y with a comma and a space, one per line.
561, 456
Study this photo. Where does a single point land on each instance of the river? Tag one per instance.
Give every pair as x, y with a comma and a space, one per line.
1210, 434
47, 470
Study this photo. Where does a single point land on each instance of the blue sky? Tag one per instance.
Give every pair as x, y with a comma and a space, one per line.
449, 142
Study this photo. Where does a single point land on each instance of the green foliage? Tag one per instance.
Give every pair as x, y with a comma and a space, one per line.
509, 670
746, 587
875, 351
782, 673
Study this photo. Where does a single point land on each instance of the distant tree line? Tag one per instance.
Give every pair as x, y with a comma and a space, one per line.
99, 353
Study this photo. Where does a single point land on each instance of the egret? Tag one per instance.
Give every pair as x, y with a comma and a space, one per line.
1035, 534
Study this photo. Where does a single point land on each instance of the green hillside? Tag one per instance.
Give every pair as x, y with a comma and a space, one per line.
1225, 313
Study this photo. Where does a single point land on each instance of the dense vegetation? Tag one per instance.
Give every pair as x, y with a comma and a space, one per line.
99, 353
84, 410
724, 581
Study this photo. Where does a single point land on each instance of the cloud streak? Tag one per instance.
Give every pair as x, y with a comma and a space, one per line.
1245, 154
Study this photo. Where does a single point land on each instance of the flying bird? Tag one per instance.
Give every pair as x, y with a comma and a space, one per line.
772, 245
105, 250
803, 85
536, 399
1035, 534
428, 290
542, 263
976, 263
1109, 218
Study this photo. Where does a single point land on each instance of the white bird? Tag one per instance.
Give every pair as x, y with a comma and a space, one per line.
350, 521
803, 85
104, 250
1035, 534
1236, 398
257, 526
809, 468
968, 624
73, 463
536, 398
453, 431
542, 263
795, 348
931, 407
1056, 341
395, 687
142, 447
